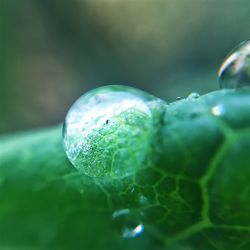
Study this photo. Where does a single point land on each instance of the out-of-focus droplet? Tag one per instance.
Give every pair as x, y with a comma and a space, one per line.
193, 95
235, 70
218, 110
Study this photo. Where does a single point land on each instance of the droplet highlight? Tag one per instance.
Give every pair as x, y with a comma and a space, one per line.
218, 110
133, 232
235, 70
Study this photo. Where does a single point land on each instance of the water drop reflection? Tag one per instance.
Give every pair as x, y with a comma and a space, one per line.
235, 70
133, 232
218, 110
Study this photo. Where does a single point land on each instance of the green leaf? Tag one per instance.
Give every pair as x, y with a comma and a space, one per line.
195, 194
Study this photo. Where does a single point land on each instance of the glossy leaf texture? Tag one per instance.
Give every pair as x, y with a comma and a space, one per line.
194, 194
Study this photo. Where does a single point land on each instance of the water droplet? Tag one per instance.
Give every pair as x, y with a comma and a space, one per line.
178, 98
133, 232
235, 70
100, 128
218, 110
193, 95
128, 223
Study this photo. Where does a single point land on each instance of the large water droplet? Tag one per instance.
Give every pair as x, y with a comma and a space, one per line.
235, 70
100, 129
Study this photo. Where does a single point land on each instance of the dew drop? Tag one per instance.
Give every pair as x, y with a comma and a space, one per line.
100, 128
193, 95
235, 70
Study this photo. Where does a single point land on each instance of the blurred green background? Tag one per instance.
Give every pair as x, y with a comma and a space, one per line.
52, 51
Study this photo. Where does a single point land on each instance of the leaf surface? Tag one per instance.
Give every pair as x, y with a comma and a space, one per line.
195, 194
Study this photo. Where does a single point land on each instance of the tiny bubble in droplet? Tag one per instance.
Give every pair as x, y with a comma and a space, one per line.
235, 69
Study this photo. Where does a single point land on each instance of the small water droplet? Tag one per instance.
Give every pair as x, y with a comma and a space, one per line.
128, 223
235, 70
218, 110
193, 95
178, 98
133, 232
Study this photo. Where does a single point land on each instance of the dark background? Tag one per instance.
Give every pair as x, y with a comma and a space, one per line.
52, 51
